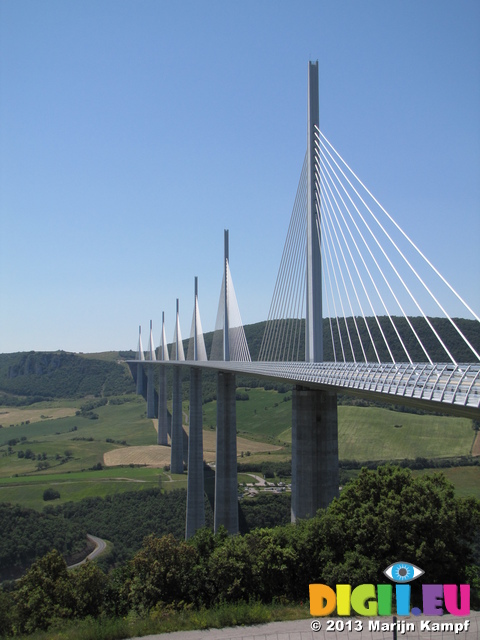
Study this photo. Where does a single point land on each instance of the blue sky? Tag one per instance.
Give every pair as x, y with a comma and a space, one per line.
132, 133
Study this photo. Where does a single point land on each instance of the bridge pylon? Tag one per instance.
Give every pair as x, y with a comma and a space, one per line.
140, 357
314, 411
226, 490
314, 316
162, 431
195, 517
176, 460
150, 377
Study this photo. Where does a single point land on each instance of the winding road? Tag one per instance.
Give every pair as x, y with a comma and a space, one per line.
100, 546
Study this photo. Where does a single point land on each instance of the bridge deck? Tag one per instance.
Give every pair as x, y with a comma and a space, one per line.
448, 388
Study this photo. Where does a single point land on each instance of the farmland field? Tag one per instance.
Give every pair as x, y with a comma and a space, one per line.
121, 435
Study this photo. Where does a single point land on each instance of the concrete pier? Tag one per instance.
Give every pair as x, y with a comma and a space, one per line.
314, 451
226, 490
150, 377
139, 389
162, 434
176, 460
195, 518
150, 392
140, 358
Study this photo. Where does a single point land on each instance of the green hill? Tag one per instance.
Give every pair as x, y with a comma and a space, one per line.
41, 375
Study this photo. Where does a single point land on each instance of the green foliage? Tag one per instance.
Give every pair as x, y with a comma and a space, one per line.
51, 494
6, 607
267, 510
43, 595
48, 593
127, 518
27, 535
61, 375
162, 571
384, 516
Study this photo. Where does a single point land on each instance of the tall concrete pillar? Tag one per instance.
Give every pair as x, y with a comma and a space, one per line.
314, 451
150, 392
150, 377
139, 389
314, 321
162, 433
176, 464
226, 490
176, 460
195, 518
140, 357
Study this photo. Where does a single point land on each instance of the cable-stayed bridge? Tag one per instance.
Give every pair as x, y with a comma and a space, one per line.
345, 260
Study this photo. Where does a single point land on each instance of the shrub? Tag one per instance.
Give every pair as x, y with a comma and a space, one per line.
51, 494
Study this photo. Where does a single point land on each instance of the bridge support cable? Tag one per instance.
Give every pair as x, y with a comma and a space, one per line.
162, 430
328, 231
285, 324
328, 264
196, 344
176, 463
283, 332
469, 309
228, 309
272, 325
330, 214
395, 270
150, 376
238, 342
328, 234
378, 267
399, 273
327, 183
327, 282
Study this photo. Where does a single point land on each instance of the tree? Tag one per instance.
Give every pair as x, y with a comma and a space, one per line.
88, 586
162, 571
387, 515
51, 494
6, 606
43, 594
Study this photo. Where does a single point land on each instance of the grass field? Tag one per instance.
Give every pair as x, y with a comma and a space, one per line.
365, 433
370, 433
72, 445
465, 479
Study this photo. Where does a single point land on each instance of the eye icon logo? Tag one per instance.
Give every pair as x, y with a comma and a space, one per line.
403, 572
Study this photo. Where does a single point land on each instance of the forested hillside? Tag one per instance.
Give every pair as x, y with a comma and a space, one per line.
36, 376
28, 535
124, 519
